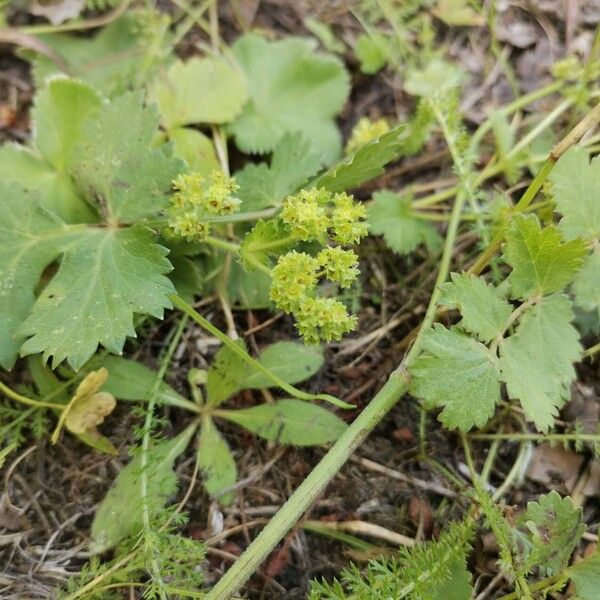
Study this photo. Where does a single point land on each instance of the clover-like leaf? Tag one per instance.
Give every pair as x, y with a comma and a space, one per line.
542, 261
457, 373
292, 88
536, 362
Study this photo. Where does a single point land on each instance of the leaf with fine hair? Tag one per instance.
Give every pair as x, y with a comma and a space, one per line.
119, 515
536, 362
542, 261
485, 311
201, 90
292, 164
392, 216
456, 373
576, 189
553, 527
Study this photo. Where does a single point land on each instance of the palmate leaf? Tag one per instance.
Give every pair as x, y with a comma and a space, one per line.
392, 216
292, 164
536, 362
59, 113
104, 277
109, 60
484, 310
457, 373
107, 271
542, 261
115, 166
292, 88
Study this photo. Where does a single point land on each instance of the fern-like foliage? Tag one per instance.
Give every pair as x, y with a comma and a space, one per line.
429, 571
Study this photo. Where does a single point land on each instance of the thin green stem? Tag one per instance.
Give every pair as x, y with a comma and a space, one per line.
591, 350
145, 450
222, 244
28, 401
537, 437
237, 349
344, 447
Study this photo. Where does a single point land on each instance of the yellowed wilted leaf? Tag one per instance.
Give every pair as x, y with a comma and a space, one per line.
89, 412
88, 406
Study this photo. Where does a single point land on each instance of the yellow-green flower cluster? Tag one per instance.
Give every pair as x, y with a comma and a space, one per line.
366, 131
295, 278
316, 214
331, 220
196, 199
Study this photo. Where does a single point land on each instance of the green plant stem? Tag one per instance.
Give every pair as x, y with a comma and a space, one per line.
78, 24
145, 449
236, 349
537, 437
591, 350
311, 487
340, 452
535, 587
29, 401
222, 244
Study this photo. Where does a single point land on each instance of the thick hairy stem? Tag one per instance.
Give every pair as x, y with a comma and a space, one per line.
343, 448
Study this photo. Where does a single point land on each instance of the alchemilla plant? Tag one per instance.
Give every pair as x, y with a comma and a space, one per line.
124, 206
